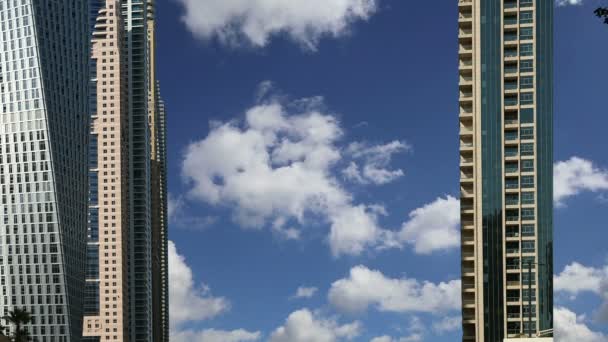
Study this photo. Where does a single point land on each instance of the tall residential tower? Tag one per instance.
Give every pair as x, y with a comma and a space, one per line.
127, 297
506, 162
44, 54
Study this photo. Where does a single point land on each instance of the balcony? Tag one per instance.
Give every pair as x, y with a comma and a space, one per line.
465, 161
466, 191
510, 20
512, 299
466, 145
466, 80
465, 48
512, 218
465, 16
511, 152
468, 285
513, 315
465, 32
511, 101
513, 267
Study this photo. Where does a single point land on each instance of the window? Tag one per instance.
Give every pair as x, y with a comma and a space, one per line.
526, 17
526, 33
527, 214
527, 246
526, 50
527, 165
527, 198
527, 115
527, 82
527, 149
525, 3
511, 135
512, 199
527, 66
527, 182
527, 98
527, 230
527, 133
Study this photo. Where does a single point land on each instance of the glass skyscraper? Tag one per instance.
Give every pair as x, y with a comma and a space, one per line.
506, 161
44, 54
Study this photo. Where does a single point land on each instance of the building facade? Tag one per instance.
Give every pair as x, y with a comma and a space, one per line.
127, 297
506, 161
107, 297
44, 54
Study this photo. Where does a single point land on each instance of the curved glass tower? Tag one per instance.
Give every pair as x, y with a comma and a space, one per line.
506, 161
44, 60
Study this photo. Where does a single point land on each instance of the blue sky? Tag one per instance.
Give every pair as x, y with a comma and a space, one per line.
314, 147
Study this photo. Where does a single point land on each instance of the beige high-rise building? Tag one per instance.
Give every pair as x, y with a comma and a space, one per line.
127, 275
506, 168
110, 168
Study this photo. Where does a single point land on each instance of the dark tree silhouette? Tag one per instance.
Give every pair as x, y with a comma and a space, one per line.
602, 13
19, 318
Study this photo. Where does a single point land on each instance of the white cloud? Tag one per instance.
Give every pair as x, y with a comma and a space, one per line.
602, 313
448, 324
364, 288
576, 278
416, 331
277, 169
375, 160
570, 327
435, 226
305, 292
175, 206
576, 175
411, 338
255, 22
306, 326
569, 2
189, 302
212, 335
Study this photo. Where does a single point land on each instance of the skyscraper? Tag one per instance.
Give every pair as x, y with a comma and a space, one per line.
44, 54
506, 161
127, 282
107, 296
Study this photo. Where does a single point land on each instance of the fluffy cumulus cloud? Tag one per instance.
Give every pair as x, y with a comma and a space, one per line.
189, 302
433, 227
370, 164
577, 278
364, 288
571, 327
305, 292
306, 326
212, 335
277, 168
569, 2
254, 22
577, 175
